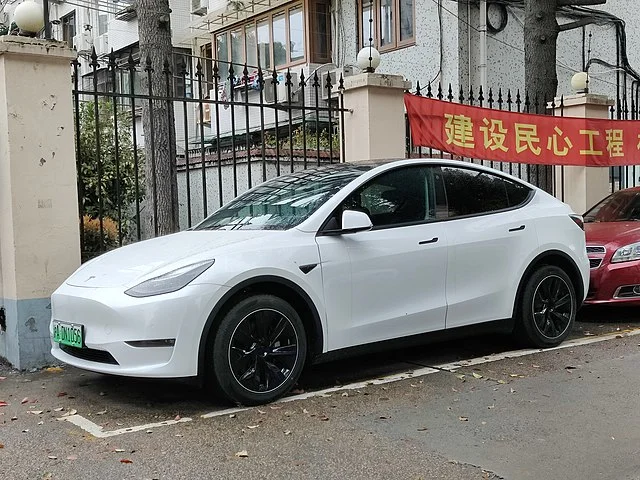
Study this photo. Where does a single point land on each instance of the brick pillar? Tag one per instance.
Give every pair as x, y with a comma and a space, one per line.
39, 231
583, 187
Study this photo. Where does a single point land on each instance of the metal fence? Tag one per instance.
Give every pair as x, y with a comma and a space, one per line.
547, 177
235, 126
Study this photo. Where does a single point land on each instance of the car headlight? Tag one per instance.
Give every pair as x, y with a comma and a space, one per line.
627, 253
171, 281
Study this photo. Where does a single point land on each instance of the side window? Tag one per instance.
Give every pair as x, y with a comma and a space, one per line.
402, 196
472, 192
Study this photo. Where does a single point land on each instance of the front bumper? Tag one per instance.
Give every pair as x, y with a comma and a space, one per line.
111, 319
608, 278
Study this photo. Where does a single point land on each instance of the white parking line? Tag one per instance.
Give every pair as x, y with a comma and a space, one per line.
97, 431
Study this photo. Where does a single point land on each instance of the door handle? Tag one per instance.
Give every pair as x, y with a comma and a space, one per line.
425, 242
517, 229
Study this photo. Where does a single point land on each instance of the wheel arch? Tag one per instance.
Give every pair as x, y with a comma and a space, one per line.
556, 258
274, 285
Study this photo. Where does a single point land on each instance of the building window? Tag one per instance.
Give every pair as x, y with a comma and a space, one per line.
320, 35
393, 24
273, 41
69, 28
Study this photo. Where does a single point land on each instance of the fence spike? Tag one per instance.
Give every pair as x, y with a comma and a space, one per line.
316, 80
303, 82
216, 71
490, 98
480, 95
461, 95
287, 77
471, 99
450, 96
260, 78
440, 95
94, 58
328, 85
112, 61
148, 65
232, 78
182, 68
341, 82
429, 93
166, 68
131, 63
418, 89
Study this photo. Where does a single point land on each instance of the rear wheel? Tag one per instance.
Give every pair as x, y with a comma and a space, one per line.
258, 351
547, 309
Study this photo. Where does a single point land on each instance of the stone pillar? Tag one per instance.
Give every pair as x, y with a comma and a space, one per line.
374, 125
39, 228
583, 187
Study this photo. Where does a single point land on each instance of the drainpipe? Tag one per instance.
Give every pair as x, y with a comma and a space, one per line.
482, 68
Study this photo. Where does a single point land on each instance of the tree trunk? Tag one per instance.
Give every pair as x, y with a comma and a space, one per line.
541, 80
161, 205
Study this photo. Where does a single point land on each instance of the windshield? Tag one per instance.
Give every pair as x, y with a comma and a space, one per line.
283, 202
623, 206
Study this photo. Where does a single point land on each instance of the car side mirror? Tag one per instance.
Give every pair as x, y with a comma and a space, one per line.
354, 221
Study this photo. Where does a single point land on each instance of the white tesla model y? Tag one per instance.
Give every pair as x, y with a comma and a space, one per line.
322, 260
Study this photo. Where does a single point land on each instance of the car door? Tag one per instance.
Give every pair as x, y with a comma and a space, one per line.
390, 281
489, 239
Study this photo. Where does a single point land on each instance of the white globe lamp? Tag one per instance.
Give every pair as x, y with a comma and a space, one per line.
368, 59
580, 82
29, 18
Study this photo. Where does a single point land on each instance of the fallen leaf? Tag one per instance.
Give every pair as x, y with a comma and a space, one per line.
483, 423
1, 445
274, 407
149, 431
177, 417
72, 457
570, 367
25, 431
14, 418
297, 390
178, 435
252, 426
412, 385
461, 376
102, 394
463, 419
513, 391
501, 382
126, 460
119, 450
304, 410
35, 412
233, 415
62, 394
101, 412
476, 375
514, 375
3, 404
324, 418
59, 409
535, 366
345, 394
3, 378
287, 432
24, 400
589, 334
242, 454
52, 457
40, 423
491, 406
383, 417
423, 429
53, 369
261, 412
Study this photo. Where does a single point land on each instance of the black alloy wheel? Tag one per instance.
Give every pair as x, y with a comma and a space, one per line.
547, 308
258, 351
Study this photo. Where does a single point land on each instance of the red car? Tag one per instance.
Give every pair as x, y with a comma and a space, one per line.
613, 245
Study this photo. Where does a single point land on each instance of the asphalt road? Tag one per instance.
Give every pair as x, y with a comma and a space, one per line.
566, 413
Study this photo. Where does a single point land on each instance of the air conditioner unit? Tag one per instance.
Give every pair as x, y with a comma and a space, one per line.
102, 44
335, 75
281, 93
199, 7
81, 43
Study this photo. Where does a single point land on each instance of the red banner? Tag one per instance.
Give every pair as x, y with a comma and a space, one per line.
502, 136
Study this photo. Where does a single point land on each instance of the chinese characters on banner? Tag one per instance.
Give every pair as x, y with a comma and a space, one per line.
501, 136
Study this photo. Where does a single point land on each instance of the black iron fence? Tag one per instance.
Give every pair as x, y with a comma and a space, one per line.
235, 126
547, 177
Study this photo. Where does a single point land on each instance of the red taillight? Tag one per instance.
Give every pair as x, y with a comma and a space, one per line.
577, 219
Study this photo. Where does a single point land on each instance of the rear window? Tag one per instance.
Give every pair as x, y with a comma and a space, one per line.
623, 206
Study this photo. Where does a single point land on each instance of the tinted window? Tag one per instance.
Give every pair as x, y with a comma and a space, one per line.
472, 192
283, 202
622, 206
402, 196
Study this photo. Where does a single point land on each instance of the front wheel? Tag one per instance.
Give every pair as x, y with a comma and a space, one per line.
548, 308
259, 350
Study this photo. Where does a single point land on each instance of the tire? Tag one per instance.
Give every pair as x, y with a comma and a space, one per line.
258, 351
547, 309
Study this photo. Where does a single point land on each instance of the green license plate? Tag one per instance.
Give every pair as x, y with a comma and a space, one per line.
68, 334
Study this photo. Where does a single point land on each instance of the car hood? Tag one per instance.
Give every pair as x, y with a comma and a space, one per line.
612, 234
125, 265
